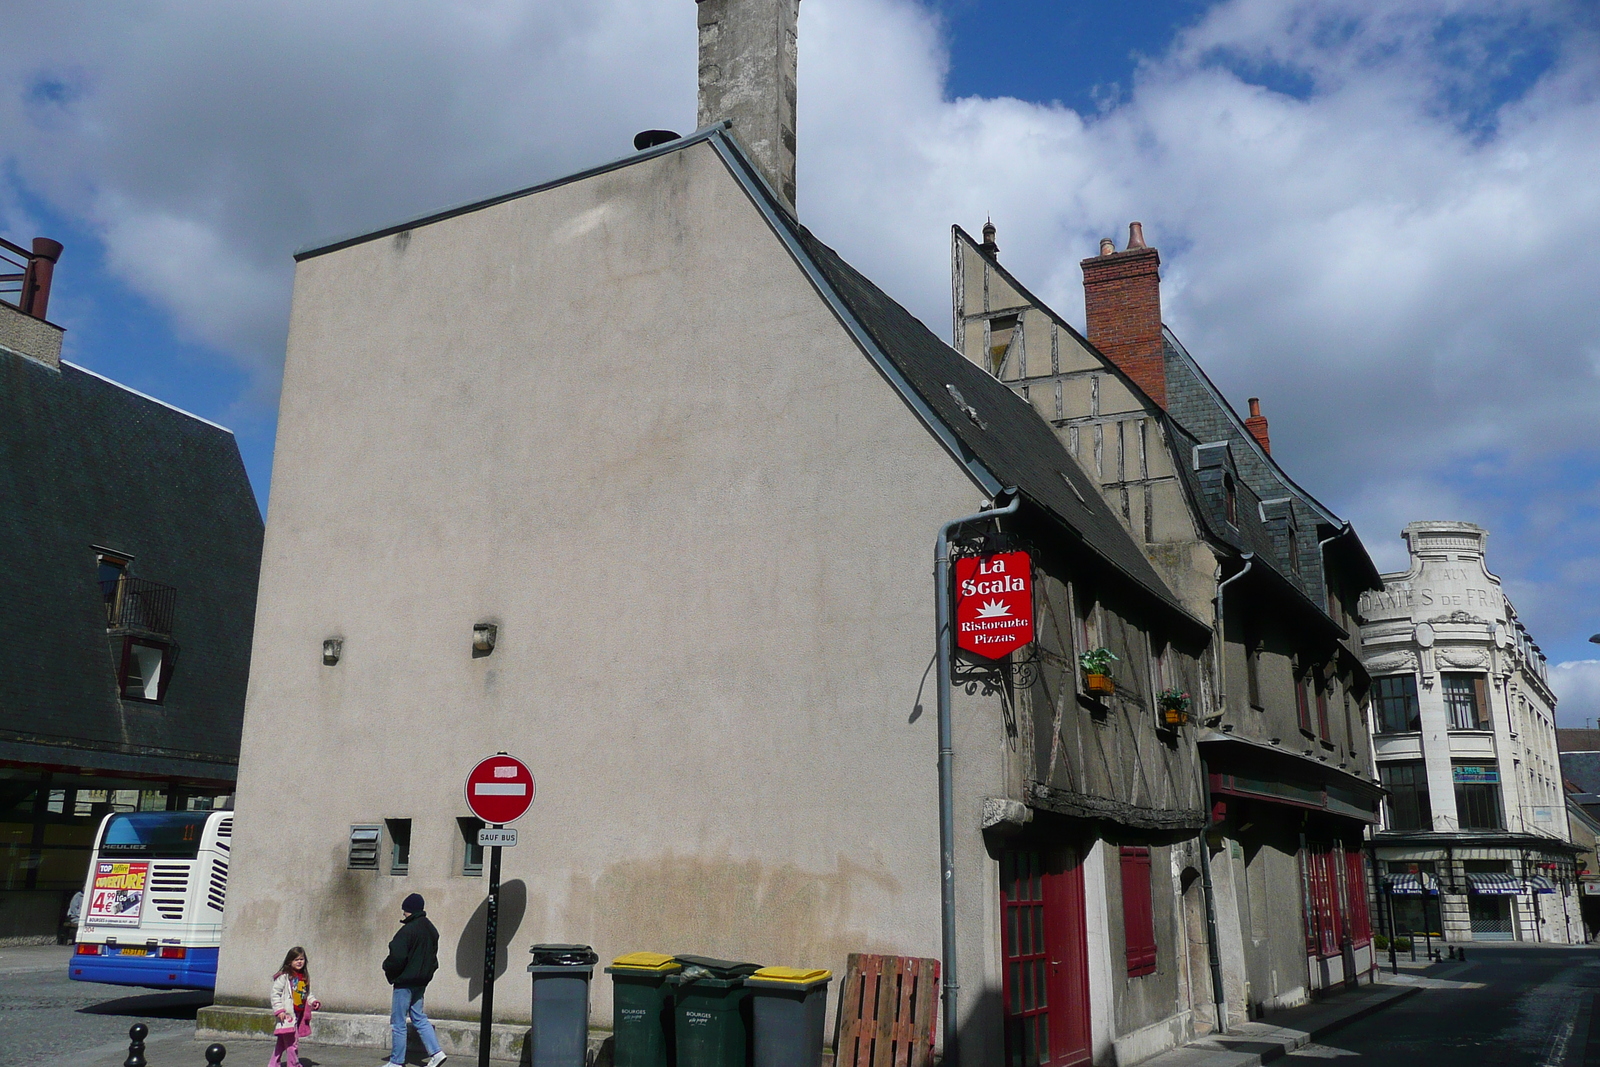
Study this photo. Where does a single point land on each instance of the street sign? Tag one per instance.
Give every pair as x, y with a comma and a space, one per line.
495, 837
500, 789
994, 603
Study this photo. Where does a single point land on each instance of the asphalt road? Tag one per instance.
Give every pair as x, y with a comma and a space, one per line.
48, 1020
1515, 1005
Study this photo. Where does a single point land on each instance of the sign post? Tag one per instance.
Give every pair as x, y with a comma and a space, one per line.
499, 790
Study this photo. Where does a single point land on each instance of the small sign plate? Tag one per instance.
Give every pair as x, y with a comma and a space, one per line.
502, 836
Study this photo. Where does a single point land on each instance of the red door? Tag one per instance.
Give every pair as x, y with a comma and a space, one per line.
1045, 957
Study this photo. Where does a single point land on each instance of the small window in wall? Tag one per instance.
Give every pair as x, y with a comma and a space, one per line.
1138, 920
471, 851
1322, 684
145, 669
1396, 697
1252, 671
364, 840
1466, 699
1230, 499
399, 845
1294, 551
1302, 700
1001, 329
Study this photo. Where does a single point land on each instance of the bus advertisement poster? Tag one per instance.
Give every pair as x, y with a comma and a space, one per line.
117, 896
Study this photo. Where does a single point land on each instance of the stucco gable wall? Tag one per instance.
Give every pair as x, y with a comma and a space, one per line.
614, 419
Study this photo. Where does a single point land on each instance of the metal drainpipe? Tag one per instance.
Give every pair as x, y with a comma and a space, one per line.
947, 819
1213, 946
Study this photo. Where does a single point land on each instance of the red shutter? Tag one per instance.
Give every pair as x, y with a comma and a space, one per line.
1138, 922
1322, 712
1323, 922
1355, 881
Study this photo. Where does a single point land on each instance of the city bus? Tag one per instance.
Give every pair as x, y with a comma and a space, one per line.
152, 904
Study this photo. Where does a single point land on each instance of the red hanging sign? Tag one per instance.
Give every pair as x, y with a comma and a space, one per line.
994, 603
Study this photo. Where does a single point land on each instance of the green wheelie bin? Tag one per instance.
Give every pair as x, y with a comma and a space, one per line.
712, 1012
641, 1013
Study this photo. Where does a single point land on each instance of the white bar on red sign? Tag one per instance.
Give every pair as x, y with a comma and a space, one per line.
500, 789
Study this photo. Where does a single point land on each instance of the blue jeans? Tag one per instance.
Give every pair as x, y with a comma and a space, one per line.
408, 1003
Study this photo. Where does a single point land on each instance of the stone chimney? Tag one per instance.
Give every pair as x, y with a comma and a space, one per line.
748, 65
1122, 298
1257, 425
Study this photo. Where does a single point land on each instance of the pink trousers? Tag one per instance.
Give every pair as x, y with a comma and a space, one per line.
286, 1051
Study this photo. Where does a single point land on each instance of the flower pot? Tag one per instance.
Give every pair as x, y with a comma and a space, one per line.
1174, 716
1099, 683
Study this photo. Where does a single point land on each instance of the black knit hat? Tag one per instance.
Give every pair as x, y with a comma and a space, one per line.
412, 904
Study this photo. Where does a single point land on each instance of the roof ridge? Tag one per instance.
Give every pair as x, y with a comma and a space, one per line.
145, 396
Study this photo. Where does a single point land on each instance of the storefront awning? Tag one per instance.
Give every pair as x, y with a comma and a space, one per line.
1501, 885
1541, 884
1412, 885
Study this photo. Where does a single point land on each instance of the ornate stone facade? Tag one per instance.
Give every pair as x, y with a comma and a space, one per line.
1474, 844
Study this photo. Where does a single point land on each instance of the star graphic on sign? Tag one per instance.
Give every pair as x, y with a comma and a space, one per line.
993, 609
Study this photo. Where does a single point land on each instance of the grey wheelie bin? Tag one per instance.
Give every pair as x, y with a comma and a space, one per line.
788, 1011
560, 1034
641, 1014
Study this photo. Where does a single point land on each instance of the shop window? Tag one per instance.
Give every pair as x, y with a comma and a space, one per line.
1466, 700
472, 852
399, 845
145, 669
1396, 698
1138, 920
1478, 797
1324, 920
1407, 803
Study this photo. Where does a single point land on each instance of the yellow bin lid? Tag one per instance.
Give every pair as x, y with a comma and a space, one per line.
794, 975
647, 961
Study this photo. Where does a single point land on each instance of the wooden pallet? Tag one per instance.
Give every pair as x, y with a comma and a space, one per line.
888, 1010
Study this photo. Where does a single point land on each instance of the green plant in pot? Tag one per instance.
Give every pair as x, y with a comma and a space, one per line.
1174, 705
1096, 664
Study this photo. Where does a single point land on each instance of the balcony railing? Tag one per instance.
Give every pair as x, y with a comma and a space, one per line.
134, 604
25, 276
13, 269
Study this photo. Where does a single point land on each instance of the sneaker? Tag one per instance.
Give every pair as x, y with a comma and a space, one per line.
437, 1058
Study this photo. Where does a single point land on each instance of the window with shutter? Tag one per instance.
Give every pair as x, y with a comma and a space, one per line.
1138, 922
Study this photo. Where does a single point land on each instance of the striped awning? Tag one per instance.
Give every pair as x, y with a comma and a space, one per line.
1541, 884
1502, 885
1412, 885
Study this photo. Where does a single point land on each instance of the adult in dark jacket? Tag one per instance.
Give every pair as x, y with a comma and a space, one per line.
413, 957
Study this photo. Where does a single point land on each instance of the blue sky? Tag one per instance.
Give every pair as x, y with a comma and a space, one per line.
1377, 218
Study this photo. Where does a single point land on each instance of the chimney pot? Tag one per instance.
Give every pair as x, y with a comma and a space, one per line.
1106, 246
1135, 235
1257, 425
35, 296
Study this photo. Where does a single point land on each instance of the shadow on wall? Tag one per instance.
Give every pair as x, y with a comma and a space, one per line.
469, 949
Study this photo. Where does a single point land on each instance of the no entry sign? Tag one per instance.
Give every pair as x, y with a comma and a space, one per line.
500, 789
994, 603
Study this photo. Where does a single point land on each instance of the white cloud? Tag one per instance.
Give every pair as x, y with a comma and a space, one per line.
1577, 687
1399, 266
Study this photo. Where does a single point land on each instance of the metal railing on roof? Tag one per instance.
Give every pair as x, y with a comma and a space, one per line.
138, 605
13, 269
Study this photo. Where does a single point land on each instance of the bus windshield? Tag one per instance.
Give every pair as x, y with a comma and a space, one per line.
170, 834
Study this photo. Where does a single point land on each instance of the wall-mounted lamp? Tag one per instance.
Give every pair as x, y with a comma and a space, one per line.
332, 648
483, 638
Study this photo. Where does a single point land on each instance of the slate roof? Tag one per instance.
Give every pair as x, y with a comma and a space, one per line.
86, 463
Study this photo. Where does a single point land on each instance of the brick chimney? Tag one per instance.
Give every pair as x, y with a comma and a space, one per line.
1257, 425
1122, 298
748, 67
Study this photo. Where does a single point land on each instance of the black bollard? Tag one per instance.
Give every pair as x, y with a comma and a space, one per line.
136, 1035
214, 1055
1461, 953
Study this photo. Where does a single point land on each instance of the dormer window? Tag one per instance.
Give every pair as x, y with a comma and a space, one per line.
1230, 499
1294, 551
